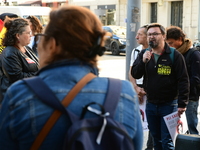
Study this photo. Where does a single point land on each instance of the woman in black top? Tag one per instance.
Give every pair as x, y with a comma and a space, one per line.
18, 61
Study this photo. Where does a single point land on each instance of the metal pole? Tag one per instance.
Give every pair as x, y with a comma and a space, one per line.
133, 24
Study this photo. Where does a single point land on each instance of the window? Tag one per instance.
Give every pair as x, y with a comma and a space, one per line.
153, 12
107, 14
177, 13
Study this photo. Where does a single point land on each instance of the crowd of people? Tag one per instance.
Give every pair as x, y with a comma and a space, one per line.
167, 87
68, 49
65, 51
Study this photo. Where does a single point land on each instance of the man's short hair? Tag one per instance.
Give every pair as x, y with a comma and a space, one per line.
162, 29
145, 27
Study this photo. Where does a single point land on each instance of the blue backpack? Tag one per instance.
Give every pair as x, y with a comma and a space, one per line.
100, 133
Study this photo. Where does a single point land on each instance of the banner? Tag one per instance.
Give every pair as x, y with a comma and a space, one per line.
176, 125
143, 114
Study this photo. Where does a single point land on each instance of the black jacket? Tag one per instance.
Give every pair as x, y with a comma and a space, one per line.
165, 80
194, 73
16, 65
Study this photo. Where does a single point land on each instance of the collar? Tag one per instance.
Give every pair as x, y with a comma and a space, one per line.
167, 49
66, 62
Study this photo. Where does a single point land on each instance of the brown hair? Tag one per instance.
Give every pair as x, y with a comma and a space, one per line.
162, 29
36, 24
175, 33
76, 30
13, 27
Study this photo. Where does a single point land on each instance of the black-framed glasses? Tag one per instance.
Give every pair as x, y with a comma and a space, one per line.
153, 34
37, 39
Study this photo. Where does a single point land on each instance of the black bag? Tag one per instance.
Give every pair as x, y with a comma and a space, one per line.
100, 133
187, 142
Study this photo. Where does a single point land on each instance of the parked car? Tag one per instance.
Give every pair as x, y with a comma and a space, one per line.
196, 43
117, 42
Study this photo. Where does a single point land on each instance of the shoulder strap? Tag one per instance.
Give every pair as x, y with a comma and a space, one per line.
44, 93
57, 113
134, 53
113, 95
172, 54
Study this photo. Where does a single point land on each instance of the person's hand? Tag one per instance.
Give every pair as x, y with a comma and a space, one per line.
146, 56
140, 91
181, 111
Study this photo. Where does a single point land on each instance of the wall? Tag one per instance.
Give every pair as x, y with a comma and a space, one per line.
190, 15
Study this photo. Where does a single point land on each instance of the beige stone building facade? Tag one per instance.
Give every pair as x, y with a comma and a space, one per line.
182, 13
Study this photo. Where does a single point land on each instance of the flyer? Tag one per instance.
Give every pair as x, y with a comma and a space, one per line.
176, 125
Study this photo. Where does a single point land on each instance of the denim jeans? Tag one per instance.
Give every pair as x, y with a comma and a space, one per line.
157, 126
191, 115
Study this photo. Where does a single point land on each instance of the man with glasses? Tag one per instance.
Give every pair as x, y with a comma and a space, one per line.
165, 82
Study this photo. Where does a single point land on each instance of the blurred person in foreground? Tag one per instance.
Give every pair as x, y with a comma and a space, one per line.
18, 61
165, 81
176, 38
36, 27
141, 38
68, 50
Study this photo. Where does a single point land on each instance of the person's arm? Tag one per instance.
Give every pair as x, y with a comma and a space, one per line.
6, 122
140, 91
138, 137
195, 73
12, 66
183, 81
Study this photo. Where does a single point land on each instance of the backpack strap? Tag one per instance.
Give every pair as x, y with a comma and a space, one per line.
44, 93
113, 95
136, 51
38, 88
171, 55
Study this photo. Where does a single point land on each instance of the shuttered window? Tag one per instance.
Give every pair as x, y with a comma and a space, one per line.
177, 13
153, 12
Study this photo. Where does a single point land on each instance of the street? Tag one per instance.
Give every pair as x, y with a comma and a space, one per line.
114, 66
